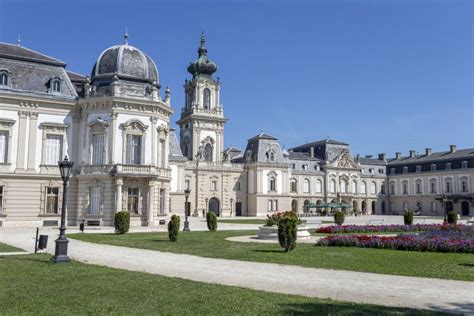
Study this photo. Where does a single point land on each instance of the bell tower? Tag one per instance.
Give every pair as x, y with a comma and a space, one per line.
202, 117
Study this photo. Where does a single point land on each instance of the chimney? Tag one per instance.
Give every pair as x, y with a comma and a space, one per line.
398, 155
412, 153
357, 158
452, 149
311, 151
368, 156
382, 156
429, 151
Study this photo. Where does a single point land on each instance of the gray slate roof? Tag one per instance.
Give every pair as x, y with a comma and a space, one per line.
175, 150
439, 156
22, 53
371, 161
319, 142
263, 136
301, 156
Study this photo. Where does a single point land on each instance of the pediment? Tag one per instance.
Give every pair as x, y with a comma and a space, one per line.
344, 160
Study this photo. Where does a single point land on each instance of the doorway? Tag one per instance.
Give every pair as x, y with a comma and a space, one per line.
238, 208
214, 206
465, 208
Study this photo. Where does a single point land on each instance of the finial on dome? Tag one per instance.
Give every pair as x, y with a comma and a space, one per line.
125, 36
18, 42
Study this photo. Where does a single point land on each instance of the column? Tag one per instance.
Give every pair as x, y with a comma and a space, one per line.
153, 141
32, 142
151, 204
21, 157
118, 195
113, 136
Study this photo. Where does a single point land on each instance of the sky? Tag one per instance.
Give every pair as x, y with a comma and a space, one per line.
384, 76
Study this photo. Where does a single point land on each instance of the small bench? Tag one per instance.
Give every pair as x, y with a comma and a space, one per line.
314, 221
375, 222
419, 221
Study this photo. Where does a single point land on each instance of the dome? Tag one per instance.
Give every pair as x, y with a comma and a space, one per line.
203, 65
127, 62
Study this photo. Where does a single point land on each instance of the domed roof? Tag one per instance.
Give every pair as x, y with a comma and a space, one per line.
127, 62
202, 65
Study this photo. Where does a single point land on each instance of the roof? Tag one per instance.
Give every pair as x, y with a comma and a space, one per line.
301, 156
371, 161
439, 156
263, 136
320, 142
73, 76
22, 53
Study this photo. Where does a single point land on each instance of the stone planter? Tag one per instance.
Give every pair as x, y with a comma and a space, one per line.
271, 232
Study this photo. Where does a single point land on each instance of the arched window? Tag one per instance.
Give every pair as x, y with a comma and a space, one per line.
306, 186
56, 85
433, 186
343, 186
332, 186
418, 186
3, 79
373, 188
464, 185
294, 185
207, 98
363, 188
272, 184
449, 188
354, 186
319, 186
392, 188
208, 152
405, 187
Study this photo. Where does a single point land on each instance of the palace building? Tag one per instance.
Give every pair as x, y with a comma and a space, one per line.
115, 126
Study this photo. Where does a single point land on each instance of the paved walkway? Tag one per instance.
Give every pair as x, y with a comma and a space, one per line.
379, 289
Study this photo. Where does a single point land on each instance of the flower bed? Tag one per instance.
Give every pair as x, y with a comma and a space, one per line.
448, 240
382, 228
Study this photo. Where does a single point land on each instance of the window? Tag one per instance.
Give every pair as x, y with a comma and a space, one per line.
405, 206
448, 166
95, 198
433, 167
3, 147
52, 200
332, 186
133, 199
272, 184
208, 152
464, 187
363, 188
293, 185
434, 207
162, 201
373, 188
54, 149
319, 186
354, 186
98, 149
272, 205
207, 98
418, 168
56, 85
405, 187
294, 166
271, 156
371, 170
186, 184
381, 171
2, 193
382, 189
304, 167
134, 149
392, 170
433, 186
418, 187
306, 186
405, 169
392, 188
464, 164
213, 185
448, 186
4, 78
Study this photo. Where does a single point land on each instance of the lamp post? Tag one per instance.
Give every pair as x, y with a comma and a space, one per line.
186, 209
60, 254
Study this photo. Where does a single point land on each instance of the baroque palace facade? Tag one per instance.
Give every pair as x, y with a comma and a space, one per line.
115, 126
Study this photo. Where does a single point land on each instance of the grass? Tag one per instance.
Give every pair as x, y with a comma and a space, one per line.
31, 284
8, 248
455, 266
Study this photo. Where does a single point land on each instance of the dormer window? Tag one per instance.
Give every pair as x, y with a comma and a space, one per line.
418, 168
433, 167
304, 167
3, 78
54, 85
448, 166
392, 170
405, 169
464, 164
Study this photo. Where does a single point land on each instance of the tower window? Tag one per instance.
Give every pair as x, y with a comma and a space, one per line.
208, 152
207, 98
3, 78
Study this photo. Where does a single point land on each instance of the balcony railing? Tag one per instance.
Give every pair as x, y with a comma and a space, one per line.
127, 170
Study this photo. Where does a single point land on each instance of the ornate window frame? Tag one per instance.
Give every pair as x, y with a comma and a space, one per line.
211, 142
308, 181
272, 176
52, 85
295, 181
6, 125
137, 128
6, 73
86, 195
43, 200
161, 146
98, 127
3, 198
461, 180
52, 128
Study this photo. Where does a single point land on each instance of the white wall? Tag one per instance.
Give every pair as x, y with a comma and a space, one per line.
13, 115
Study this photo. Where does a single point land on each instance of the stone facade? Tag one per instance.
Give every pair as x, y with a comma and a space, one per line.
115, 126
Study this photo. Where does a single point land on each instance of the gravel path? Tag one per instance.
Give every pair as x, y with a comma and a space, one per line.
358, 287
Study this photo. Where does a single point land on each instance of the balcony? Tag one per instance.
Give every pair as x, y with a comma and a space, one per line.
140, 170
216, 112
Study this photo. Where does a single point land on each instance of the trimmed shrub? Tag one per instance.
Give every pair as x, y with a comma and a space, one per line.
287, 230
173, 228
339, 218
122, 222
211, 219
452, 218
408, 218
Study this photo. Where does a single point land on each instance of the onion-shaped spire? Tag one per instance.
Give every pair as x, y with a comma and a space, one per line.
202, 66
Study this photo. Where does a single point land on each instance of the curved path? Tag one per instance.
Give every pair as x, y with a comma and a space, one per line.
358, 287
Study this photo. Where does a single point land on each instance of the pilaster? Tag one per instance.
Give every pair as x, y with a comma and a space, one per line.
32, 142
21, 153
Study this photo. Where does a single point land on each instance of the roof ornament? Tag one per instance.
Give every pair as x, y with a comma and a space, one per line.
18, 42
125, 36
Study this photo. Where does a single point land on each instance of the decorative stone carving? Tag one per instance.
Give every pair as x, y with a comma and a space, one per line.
134, 125
99, 125
345, 160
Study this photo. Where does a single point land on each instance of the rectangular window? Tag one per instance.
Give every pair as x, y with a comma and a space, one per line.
306, 186
448, 166
448, 186
3, 147
270, 205
464, 186
433, 187
52, 200
433, 167
405, 188
95, 201
392, 189
293, 186
162, 153
275, 205
405, 169
382, 189
464, 164
272, 185
214, 185
132, 200
1, 199
418, 168
98, 149
418, 188
162, 201
392, 170
53, 149
186, 184
134, 149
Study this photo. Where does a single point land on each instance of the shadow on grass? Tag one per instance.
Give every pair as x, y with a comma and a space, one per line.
470, 265
162, 240
268, 251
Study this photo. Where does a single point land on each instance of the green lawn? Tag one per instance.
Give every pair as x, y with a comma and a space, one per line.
256, 221
31, 284
213, 245
8, 248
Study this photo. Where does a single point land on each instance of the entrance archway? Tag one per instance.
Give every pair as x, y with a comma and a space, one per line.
364, 207
214, 206
373, 207
294, 206
383, 207
449, 206
465, 208
305, 206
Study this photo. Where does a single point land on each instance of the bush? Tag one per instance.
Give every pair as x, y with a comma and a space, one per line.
173, 228
287, 230
408, 218
339, 218
211, 219
122, 222
452, 218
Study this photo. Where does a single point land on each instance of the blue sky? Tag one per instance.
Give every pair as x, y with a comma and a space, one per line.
384, 76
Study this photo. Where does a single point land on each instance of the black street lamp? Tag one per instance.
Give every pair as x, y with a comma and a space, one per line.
60, 254
187, 192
